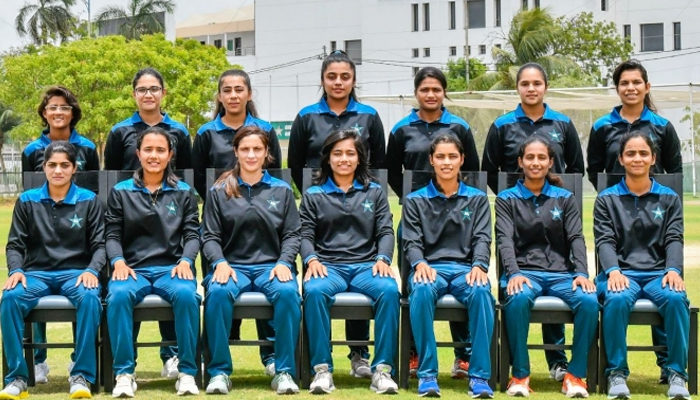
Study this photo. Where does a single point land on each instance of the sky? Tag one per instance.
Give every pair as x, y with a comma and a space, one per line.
185, 8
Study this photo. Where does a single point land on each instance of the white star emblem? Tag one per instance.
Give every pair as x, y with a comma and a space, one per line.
556, 136
172, 208
367, 205
467, 214
272, 203
652, 137
658, 213
358, 128
75, 221
80, 163
556, 214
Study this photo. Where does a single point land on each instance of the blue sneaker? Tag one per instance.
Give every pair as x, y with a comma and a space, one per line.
480, 389
428, 387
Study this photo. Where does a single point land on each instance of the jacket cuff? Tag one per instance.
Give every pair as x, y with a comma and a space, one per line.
215, 263
484, 267
577, 274
422, 260
674, 269
115, 259
189, 260
14, 271
384, 258
286, 264
309, 258
611, 269
92, 271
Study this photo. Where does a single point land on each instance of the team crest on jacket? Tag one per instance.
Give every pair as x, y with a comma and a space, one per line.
81, 163
556, 213
658, 213
466, 213
172, 208
75, 221
367, 205
358, 128
272, 203
555, 136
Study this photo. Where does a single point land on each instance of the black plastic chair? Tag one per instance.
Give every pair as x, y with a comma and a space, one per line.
447, 307
547, 309
644, 311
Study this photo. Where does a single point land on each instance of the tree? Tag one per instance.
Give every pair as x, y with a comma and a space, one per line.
596, 47
139, 18
100, 71
456, 72
46, 21
8, 121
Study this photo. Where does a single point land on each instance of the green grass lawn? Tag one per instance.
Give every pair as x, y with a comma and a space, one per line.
250, 382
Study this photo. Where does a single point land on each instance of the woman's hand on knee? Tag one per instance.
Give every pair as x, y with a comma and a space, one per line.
88, 279
674, 281
122, 271
383, 269
314, 269
618, 282
515, 284
14, 279
424, 274
586, 285
478, 276
223, 272
282, 272
183, 270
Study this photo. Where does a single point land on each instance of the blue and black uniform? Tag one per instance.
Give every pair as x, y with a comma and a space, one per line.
52, 244
540, 237
348, 232
604, 143
213, 148
253, 234
452, 235
152, 233
86, 153
120, 149
509, 131
642, 237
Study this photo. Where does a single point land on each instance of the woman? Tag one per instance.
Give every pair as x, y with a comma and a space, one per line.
120, 154
447, 242
543, 253
55, 247
356, 258
409, 148
533, 117
152, 240
60, 112
251, 231
638, 227
338, 109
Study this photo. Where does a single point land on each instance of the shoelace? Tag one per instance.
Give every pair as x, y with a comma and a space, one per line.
577, 381
676, 379
79, 380
20, 384
520, 381
463, 365
429, 379
617, 379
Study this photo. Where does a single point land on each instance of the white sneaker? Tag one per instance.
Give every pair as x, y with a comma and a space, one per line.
519, 387
382, 382
186, 385
220, 384
16, 389
283, 383
270, 370
359, 367
79, 388
323, 380
125, 386
574, 387
170, 368
41, 373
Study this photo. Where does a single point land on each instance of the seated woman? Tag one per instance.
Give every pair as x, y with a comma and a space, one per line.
347, 241
543, 253
152, 240
55, 247
251, 230
447, 242
638, 226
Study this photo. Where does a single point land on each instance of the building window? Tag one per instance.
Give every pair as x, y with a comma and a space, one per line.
426, 16
414, 17
426, 52
603, 5
524, 7
453, 50
334, 46
676, 36
482, 49
537, 3
354, 50
217, 43
497, 12
497, 45
415, 71
453, 14
477, 13
652, 37
469, 50
415, 53
202, 42
238, 46
229, 45
627, 32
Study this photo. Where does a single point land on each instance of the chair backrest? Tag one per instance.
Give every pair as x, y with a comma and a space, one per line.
379, 176
214, 173
570, 182
86, 179
414, 180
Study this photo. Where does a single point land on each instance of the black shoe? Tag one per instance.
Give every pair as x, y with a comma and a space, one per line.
663, 377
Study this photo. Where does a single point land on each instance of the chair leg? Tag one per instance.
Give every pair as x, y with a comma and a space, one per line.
5, 367
693, 353
405, 347
592, 368
206, 353
602, 360
298, 353
29, 353
107, 360
305, 358
504, 359
198, 378
494, 352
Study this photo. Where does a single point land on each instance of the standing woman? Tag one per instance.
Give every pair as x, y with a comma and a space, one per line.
213, 145
638, 227
251, 231
338, 109
533, 117
356, 258
55, 247
409, 148
152, 240
543, 252
447, 241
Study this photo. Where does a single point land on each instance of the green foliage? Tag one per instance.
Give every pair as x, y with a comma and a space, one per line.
456, 72
139, 16
696, 130
46, 21
100, 71
596, 46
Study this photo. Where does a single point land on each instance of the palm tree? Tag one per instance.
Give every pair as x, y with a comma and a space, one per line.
8, 121
45, 20
139, 17
531, 39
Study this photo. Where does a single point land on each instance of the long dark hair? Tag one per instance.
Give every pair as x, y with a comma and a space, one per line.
535, 66
339, 56
169, 176
220, 110
430, 72
551, 177
324, 173
60, 146
61, 91
637, 134
449, 139
634, 65
229, 179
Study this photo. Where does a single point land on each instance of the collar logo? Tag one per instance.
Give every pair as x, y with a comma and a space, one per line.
466, 213
367, 206
75, 221
556, 213
172, 208
658, 213
272, 203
